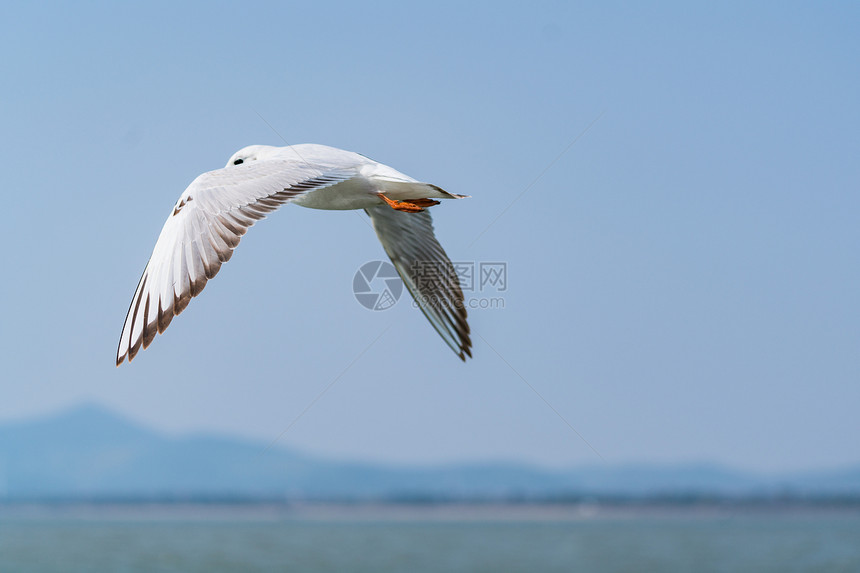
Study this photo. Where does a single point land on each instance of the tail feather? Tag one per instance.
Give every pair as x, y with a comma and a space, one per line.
405, 190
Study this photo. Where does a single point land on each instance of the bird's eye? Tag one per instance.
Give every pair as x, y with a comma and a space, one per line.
238, 162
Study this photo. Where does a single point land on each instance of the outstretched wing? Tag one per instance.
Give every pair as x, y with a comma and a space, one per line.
427, 271
200, 234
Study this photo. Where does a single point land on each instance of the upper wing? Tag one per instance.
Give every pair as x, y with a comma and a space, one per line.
427, 271
200, 234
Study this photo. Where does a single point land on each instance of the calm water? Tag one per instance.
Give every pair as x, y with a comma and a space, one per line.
152, 540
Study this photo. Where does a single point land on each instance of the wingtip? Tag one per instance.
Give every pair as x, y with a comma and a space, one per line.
120, 355
464, 352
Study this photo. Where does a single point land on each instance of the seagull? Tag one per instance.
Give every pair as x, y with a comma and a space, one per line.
219, 206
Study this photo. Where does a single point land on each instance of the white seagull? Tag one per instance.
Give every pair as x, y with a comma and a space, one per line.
214, 212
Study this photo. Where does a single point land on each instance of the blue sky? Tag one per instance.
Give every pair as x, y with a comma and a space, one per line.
682, 281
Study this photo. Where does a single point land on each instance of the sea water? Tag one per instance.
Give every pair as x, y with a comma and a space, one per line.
153, 539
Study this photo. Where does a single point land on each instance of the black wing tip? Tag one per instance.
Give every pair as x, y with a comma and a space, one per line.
465, 350
120, 358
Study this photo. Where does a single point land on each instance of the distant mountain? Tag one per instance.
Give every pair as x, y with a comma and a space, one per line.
90, 452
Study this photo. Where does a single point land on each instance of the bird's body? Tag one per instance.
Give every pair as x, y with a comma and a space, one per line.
219, 206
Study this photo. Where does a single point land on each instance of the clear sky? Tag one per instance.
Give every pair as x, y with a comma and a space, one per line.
682, 281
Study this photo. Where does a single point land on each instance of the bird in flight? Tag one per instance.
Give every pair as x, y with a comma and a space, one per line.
218, 207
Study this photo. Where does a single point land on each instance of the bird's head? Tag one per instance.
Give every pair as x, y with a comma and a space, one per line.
251, 153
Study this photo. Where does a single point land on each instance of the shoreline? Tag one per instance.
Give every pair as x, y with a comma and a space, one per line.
466, 512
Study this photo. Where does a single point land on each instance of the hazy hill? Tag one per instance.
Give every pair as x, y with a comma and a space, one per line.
90, 452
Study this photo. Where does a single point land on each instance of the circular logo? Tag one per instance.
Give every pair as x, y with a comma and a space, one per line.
377, 285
